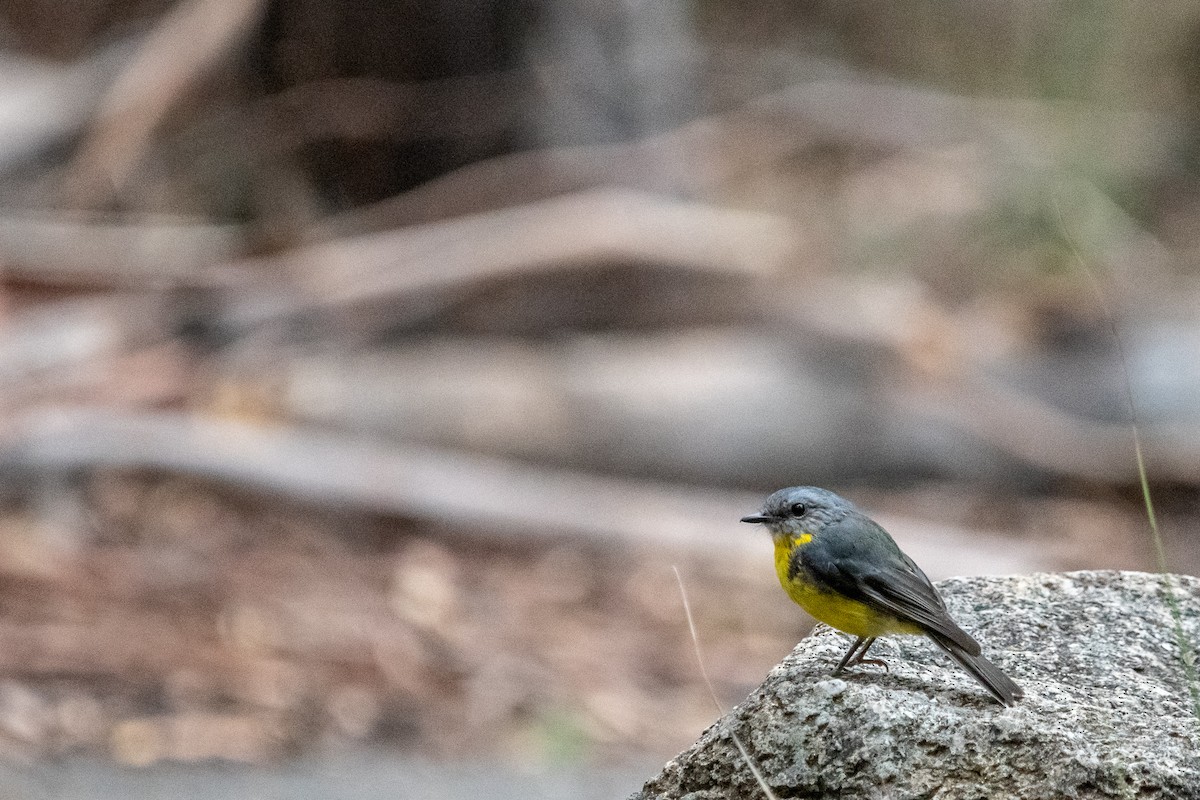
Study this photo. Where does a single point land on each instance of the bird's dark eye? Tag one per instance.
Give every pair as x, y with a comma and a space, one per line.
798, 509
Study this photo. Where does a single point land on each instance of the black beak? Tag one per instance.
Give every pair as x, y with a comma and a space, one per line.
758, 518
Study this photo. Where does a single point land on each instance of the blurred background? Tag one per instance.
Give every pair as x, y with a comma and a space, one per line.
369, 368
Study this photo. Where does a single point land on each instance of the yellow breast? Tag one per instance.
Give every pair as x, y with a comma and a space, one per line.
827, 606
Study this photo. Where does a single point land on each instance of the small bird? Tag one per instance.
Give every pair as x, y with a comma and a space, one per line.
844, 569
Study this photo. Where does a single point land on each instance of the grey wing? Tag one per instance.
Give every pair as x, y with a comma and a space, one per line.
909, 598
862, 561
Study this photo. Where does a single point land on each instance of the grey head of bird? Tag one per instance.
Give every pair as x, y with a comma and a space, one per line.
801, 509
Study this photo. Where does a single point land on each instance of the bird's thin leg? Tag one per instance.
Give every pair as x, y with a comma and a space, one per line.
857, 655
861, 658
846, 659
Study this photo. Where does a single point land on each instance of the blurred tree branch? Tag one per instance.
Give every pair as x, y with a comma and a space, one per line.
187, 43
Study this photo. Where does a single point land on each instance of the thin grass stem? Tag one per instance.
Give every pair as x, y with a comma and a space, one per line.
687, 609
1187, 651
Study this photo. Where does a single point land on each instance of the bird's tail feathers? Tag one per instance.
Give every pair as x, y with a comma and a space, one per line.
1002, 687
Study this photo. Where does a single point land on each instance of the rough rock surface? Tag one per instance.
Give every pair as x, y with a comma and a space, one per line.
1107, 711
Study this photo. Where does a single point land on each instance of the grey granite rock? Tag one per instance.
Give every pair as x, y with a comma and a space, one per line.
1107, 713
